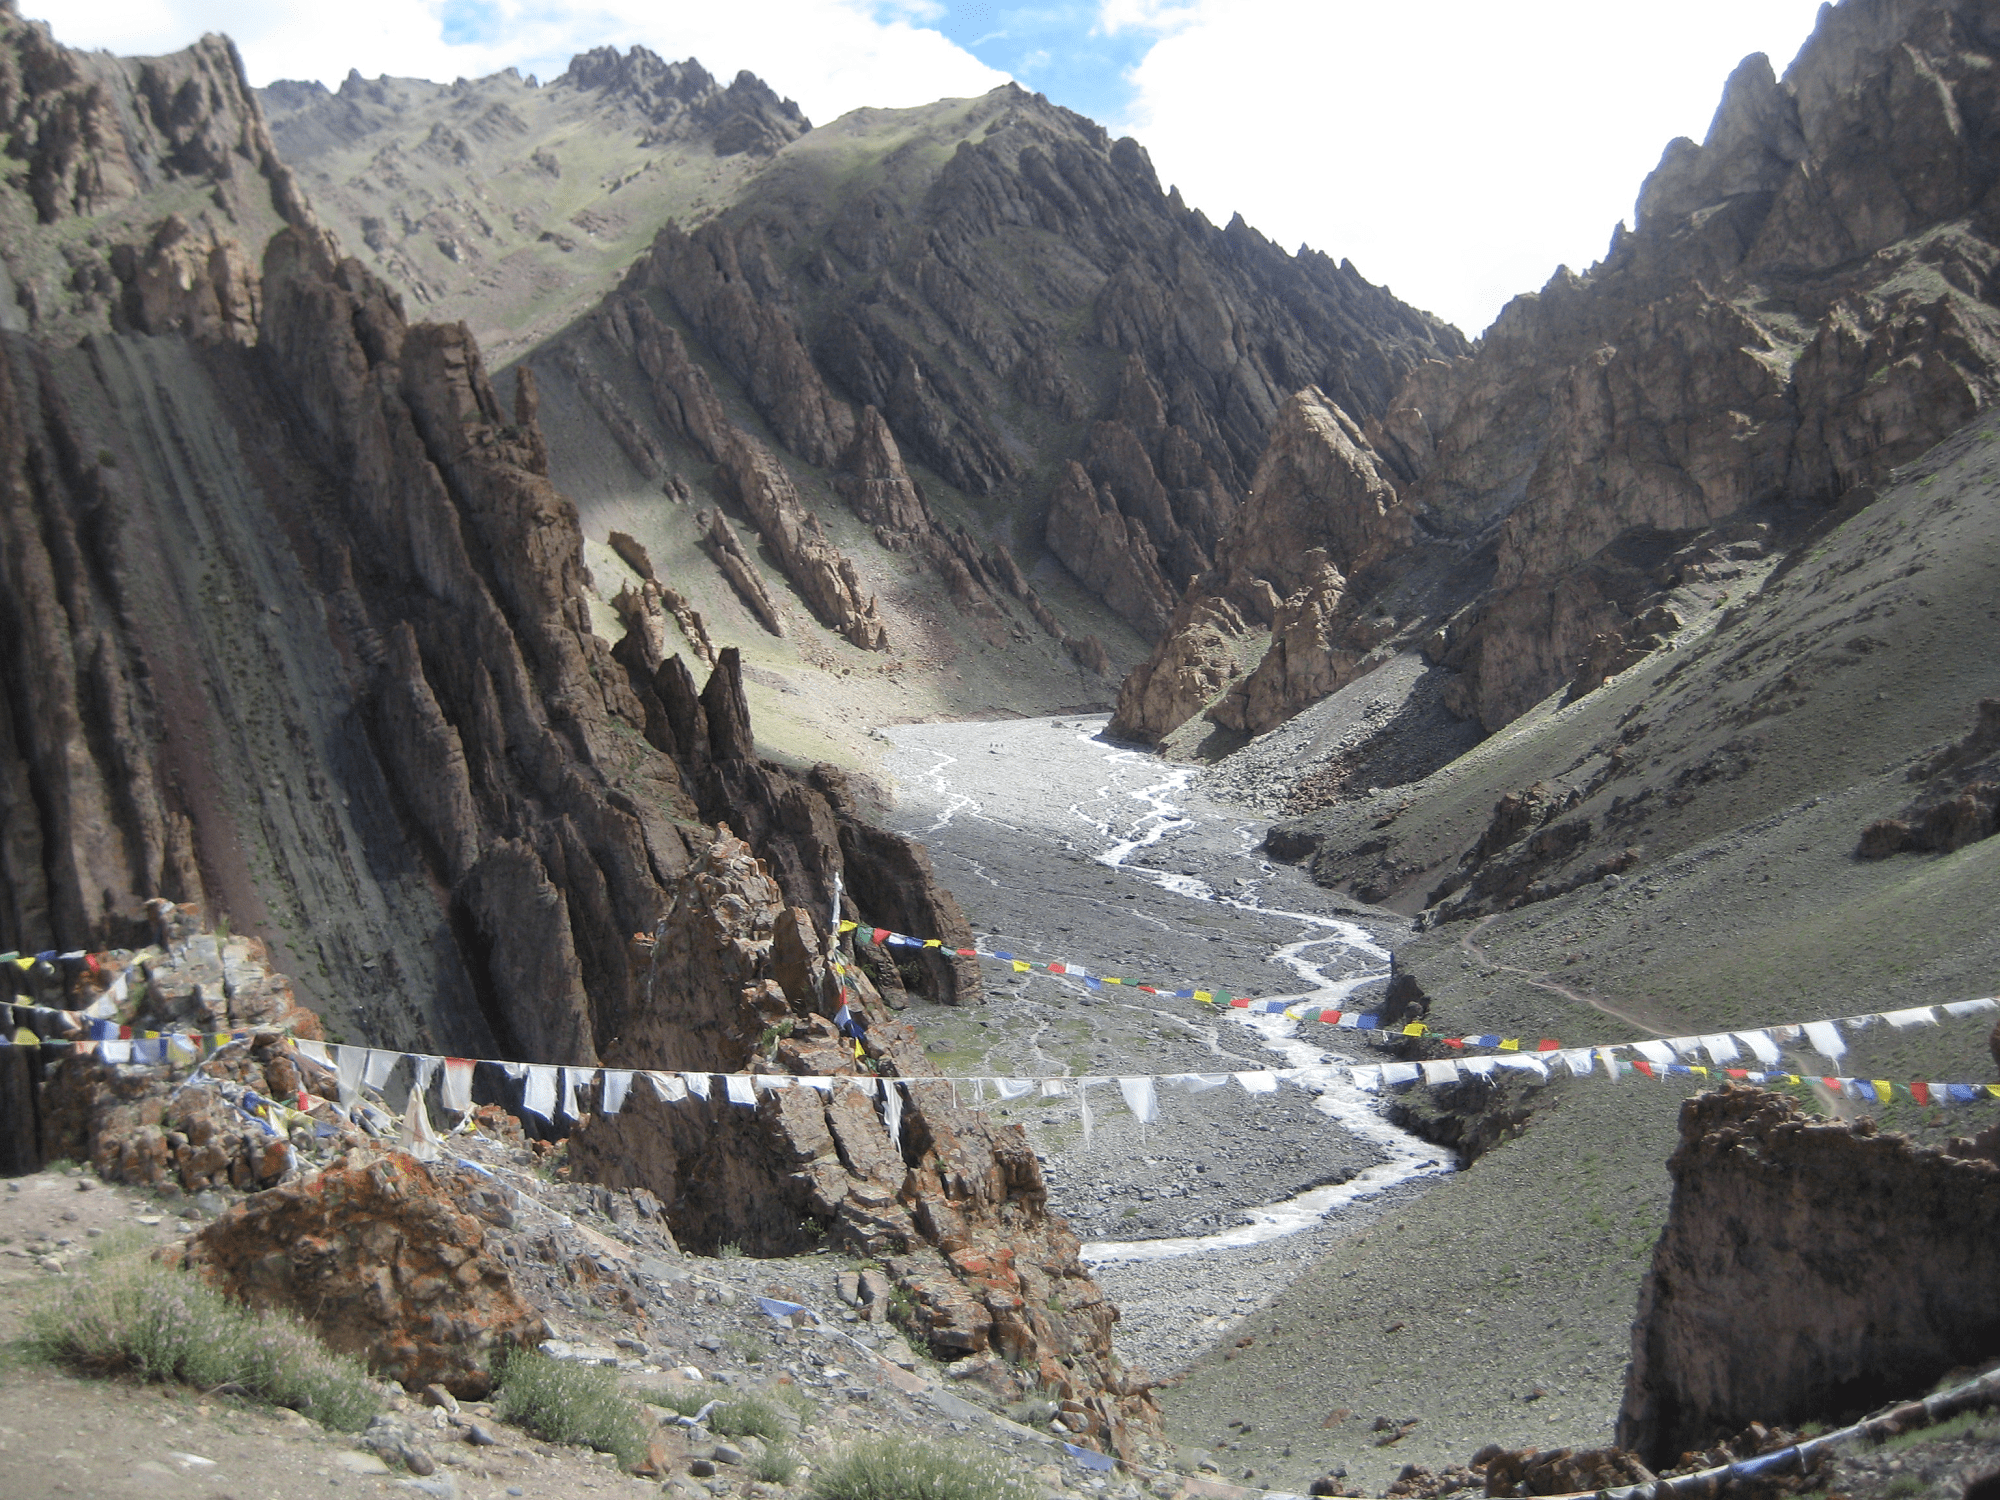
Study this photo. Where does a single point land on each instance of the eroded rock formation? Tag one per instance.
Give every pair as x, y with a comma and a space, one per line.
953, 1205
1807, 1270
1805, 303
387, 1262
1321, 511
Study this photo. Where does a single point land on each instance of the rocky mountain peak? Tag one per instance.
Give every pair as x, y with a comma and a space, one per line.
746, 116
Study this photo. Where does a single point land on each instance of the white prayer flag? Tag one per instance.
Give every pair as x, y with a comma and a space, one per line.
574, 1079
617, 1084
1969, 1007
817, 1081
1721, 1048
1609, 1057
347, 1065
417, 1136
1054, 1088
1825, 1037
1579, 1060
1013, 1088
892, 1114
865, 1082
697, 1084
1367, 1079
1481, 1066
1920, 1015
116, 1051
1140, 1099
539, 1098
773, 1080
1759, 1043
739, 1088
1196, 1083
457, 1091
1265, 1082
312, 1051
426, 1070
1395, 1073
1083, 1108
1442, 1070
380, 1065
1657, 1053
1526, 1065
669, 1086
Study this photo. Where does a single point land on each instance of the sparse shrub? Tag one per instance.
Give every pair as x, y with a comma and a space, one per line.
561, 1401
898, 1469
686, 1400
777, 1464
134, 1317
750, 1416
730, 1251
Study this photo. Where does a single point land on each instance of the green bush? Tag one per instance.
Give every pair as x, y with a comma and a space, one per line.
777, 1464
564, 1402
686, 1400
750, 1416
898, 1469
129, 1315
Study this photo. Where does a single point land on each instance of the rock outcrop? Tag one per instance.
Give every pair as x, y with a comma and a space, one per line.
1807, 1270
1804, 304
1960, 800
386, 1260
953, 1205
1320, 512
309, 644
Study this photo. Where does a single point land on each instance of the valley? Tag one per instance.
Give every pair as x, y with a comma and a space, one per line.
521, 553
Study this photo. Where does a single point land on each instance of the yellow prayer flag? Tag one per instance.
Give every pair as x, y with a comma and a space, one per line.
1993, 1089
1021, 968
1883, 1090
847, 926
25, 961
857, 1048
933, 942
26, 1038
1109, 980
1699, 1072
1416, 1028
1511, 1044
1206, 997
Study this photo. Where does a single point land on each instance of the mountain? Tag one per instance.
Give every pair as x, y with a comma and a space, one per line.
500, 202
1805, 303
1016, 387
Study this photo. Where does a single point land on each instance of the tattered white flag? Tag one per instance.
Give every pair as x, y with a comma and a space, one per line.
617, 1084
1140, 1098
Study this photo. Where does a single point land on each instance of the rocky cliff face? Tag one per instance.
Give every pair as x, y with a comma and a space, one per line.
301, 628
1804, 304
1807, 1271
954, 1206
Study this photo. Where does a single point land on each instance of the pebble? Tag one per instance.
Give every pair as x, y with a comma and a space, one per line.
479, 1437
357, 1461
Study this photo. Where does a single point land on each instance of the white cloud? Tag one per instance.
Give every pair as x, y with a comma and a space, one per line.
1458, 151
830, 55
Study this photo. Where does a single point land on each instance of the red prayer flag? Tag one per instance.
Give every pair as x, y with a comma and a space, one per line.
881, 936
1548, 1044
1644, 1067
1058, 969
1921, 1092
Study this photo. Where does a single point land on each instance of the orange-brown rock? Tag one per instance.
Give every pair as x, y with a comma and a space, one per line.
384, 1258
740, 981
1781, 1289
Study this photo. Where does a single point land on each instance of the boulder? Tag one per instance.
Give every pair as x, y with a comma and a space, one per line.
384, 1257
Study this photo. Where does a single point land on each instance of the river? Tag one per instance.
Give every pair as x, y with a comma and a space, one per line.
1062, 846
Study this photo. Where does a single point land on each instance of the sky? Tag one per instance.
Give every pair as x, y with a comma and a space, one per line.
1457, 151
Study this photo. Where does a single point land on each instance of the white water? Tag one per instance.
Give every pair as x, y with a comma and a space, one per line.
1119, 833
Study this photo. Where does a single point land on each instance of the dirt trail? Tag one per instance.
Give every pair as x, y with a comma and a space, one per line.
1539, 979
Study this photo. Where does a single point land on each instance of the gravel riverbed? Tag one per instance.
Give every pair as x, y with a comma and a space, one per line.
1063, 846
